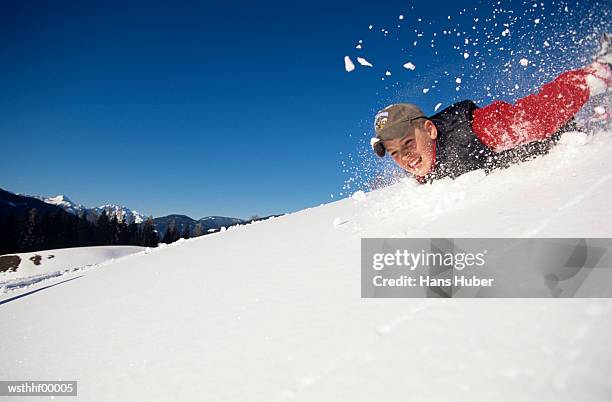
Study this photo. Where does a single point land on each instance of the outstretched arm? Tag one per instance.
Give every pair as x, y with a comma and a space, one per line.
501, 126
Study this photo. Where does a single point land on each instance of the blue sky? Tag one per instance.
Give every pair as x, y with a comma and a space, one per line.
240, 108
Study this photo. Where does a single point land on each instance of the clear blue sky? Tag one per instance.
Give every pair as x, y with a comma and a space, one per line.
236, 108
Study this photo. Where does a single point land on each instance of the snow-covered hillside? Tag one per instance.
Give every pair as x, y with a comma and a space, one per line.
271, 311
25, 269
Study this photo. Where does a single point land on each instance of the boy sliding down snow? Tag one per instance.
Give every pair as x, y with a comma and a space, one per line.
464, 137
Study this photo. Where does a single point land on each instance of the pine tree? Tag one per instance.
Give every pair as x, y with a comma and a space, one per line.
175, 234
185, 234
114, 230
104, 230
85, 232
172, 234
9, 234
50, 231
72, 224
123, 235
29, 231
198, 230
133, 235
149, 234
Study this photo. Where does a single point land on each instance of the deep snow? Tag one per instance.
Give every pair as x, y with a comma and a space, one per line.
271, 311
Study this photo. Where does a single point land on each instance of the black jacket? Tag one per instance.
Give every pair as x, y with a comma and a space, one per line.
458, 149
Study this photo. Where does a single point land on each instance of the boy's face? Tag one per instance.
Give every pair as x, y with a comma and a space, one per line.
414, 152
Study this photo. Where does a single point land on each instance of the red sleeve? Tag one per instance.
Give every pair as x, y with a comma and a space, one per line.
502, 126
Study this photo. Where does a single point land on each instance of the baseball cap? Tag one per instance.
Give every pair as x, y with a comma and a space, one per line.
394, 122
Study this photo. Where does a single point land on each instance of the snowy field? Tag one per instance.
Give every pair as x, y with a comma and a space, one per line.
271, 311
25, 269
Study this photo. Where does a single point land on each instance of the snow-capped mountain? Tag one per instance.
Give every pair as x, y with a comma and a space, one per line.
66, 203
112, 210
121, 213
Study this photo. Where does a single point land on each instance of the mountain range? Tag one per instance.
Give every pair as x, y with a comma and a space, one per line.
112, 210
208, 224
19, 203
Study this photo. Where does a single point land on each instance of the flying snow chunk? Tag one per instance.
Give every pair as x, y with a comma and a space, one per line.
598, 83
536, 21
524, 62
546, 44
401, 17
466, 55
359, 195
437, 107
388, 73
458, 80
425, 90
348, 64
370, 27
505, 32
358, 47
364, 62
409, 66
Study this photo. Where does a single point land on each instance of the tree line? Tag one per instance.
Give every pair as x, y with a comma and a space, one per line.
36, 231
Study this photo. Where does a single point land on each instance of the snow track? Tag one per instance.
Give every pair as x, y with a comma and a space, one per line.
42, 266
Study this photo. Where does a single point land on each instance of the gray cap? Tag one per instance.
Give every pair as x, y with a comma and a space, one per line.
393, 122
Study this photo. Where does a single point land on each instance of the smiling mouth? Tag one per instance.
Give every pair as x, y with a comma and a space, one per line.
415, 163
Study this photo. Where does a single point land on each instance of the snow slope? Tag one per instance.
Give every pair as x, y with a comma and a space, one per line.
41, 265
271, 311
